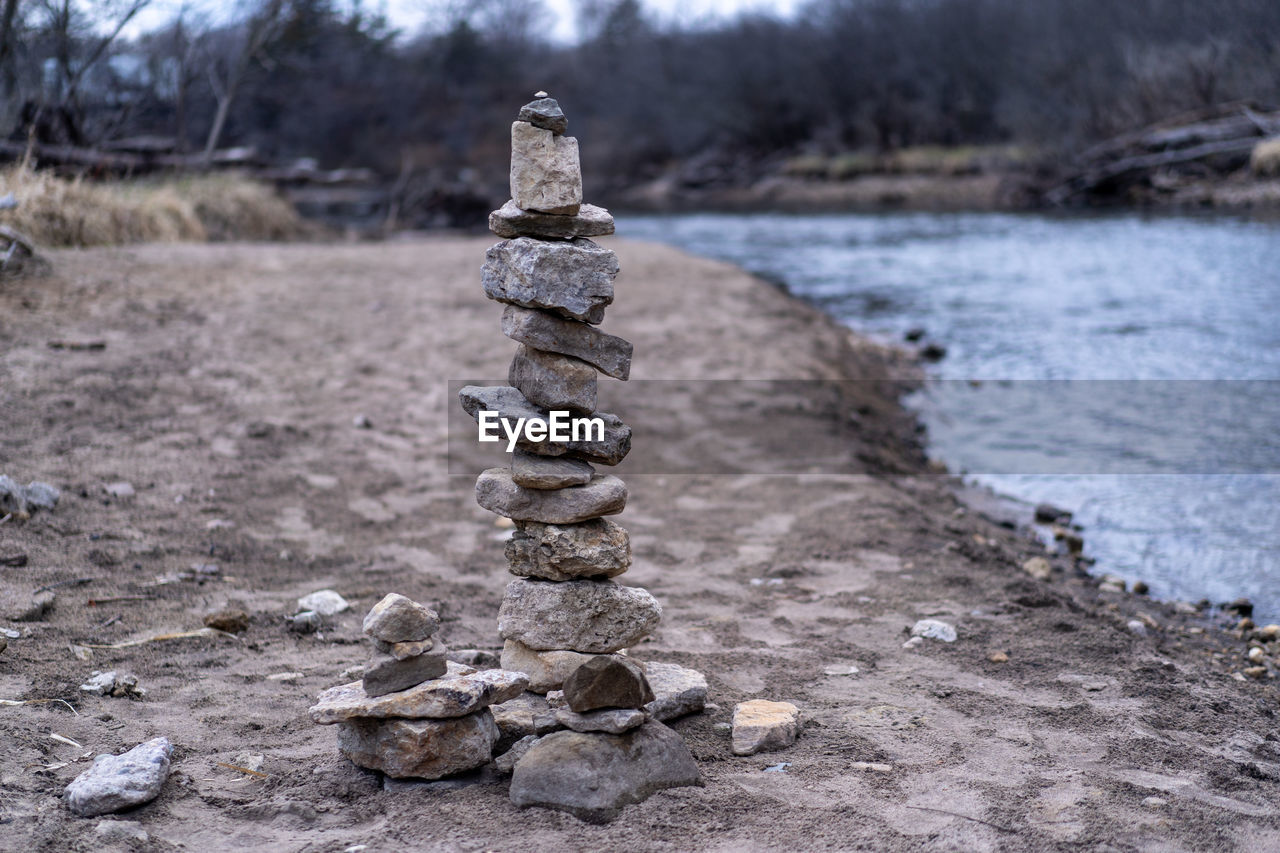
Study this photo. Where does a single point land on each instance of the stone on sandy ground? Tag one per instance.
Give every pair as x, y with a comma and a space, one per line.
763, 726
561, 552
23, 500
325, 602
477, 658
594, 776
526, 714
421, 749
609, 354
233, 620
461, 691
606, 681
398, 619
549, 472
544, 113
608, 449
612, 721
4, 644
116, 782
553, 381
1038, 568
677, 690
112, 683
389, 674
405, 651
510, 221
572, 278
17, 607
582, 616
498, 492
547, 670
932, 629
546, 174
506, 762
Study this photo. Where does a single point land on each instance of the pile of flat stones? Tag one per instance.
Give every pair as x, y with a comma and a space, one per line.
565, 614
416, 714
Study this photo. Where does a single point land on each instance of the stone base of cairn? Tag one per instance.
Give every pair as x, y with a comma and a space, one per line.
415, 714
565, 616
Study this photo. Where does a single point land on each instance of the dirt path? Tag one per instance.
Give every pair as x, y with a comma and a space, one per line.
226, 395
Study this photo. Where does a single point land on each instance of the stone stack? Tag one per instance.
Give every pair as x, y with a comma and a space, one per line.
415, 714
556, 283
565, 616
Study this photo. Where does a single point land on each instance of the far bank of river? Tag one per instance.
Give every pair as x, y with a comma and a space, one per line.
1124, 367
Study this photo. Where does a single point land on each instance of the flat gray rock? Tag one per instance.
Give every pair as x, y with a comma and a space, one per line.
547, 670
546, 114
511, 221
606, 681
497, 492
527, 714
572, 278
22, 500
390, 674
399, 619
612, 721
546, 174
677, 690
115, 782
608, 449
548, 472
553, 381
609, 354
420, 749
582, 616
595, 776
562, 552
461, 691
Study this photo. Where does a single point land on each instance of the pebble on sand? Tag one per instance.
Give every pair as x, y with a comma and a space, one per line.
325, 602
116, 782
763, 726
933, 629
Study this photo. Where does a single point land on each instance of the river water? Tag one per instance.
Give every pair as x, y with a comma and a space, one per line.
1124, 367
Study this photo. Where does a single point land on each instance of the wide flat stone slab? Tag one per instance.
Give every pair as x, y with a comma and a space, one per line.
512, 221
607, 449
582, 616
546, 174
609, 354
677, 690
572, 278
547, 670
760, 725
594, 776
461, 691
420, 749
612, 721
549, 472
497, 492
553, 381
562, 552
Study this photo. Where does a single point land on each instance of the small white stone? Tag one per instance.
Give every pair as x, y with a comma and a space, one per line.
932, 629
1136, 628
326, 602
913, 643
1155, 802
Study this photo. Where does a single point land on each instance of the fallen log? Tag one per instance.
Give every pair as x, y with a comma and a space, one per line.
1146, 162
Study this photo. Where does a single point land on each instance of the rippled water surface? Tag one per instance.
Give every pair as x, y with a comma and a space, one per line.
1071, 342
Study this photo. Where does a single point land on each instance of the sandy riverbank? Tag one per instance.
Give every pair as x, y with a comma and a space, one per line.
225, 394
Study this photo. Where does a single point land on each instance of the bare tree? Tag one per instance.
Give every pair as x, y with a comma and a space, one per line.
261, 27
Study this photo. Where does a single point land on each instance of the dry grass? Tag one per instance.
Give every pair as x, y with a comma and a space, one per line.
71, 212
920, 160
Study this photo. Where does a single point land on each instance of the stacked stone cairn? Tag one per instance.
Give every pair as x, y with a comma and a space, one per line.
416, 714
564, 616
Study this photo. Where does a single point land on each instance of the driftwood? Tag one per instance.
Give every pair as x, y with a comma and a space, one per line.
1219, 136
127, 161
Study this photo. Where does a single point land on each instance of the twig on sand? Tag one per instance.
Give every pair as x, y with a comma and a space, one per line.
78, 345
60, 584
257, 773
6, 518
203, 632
14, 561
966, 817
17, 702
94, 602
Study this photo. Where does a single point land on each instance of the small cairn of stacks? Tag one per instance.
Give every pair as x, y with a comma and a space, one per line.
415, 714
564, 614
